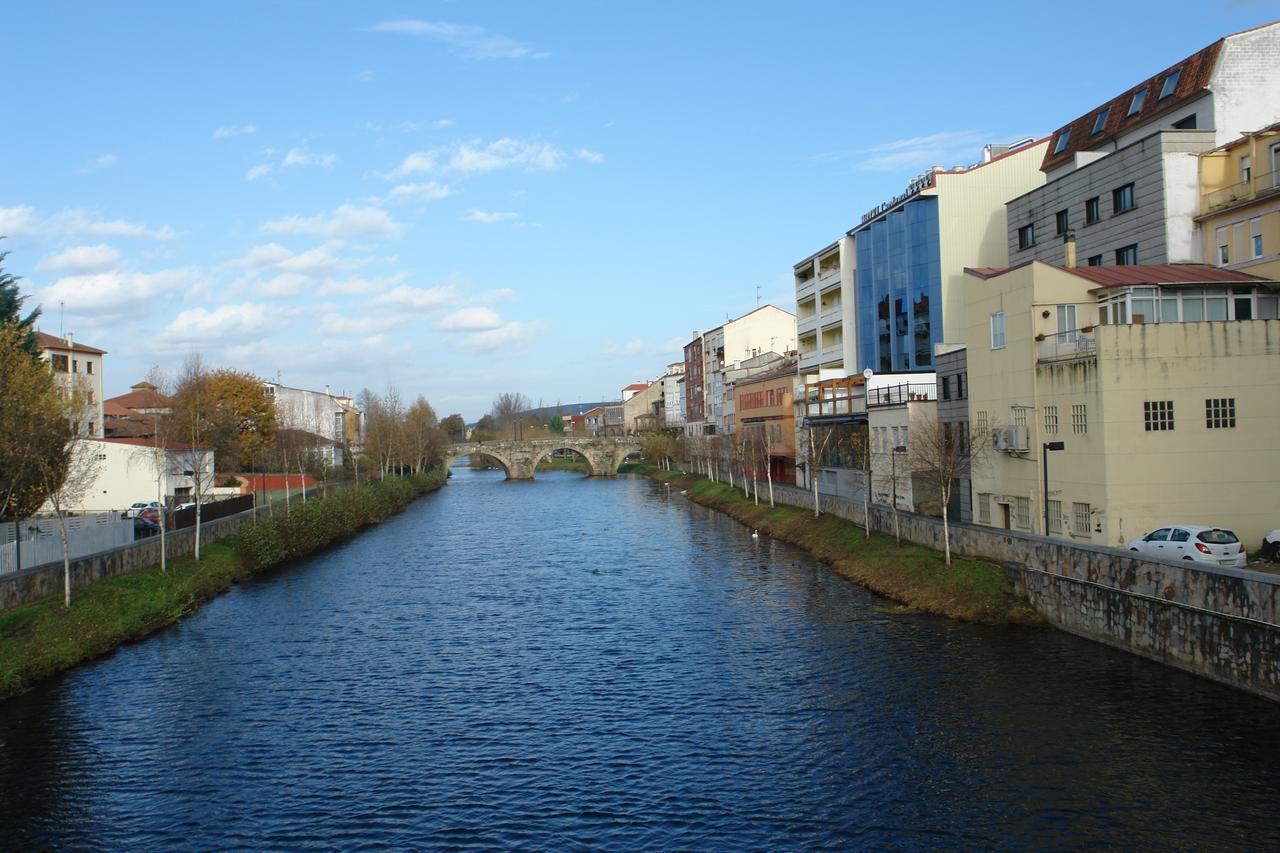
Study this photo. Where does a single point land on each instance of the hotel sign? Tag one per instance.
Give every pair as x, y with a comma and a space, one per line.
921, 183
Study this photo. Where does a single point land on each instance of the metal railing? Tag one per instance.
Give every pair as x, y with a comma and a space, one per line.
895, 395
1258, 186
1065, 346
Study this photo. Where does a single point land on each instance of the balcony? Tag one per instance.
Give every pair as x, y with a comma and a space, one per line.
834, 397
806, 287
1258, 186
1066, 346
828, 277
831, 313
897, 395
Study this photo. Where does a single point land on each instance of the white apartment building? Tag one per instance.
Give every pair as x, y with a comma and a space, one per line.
333, 420
672, 391
79, 366
826, 333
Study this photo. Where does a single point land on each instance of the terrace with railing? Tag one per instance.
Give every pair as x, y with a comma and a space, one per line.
898, 395
1066, 346
1258, 186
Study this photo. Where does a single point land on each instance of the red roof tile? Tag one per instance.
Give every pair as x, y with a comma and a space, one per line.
142, 398
47, 341
1196, 70
1139, 274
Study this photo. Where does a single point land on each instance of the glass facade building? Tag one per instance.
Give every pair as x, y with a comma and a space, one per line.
899, 288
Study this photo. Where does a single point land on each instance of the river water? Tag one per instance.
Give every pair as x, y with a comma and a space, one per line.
576, 663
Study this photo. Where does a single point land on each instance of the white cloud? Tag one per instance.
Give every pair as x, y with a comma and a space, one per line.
78, 222
259, 171
344, 325
81, 260
347, 221
284, 284
473, 158
416, 298
234, 130
366, 76
509, 335
303, 157
117, 292
915, 153
443, 122
430, 191
416, 163
468, 41
226, 322
470, 320
266, 255
356, 285
106, 161
502, 294
490, 217
16, 220
588, 156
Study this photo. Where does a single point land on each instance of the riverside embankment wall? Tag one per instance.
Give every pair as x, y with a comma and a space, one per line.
40, 581
1219, 623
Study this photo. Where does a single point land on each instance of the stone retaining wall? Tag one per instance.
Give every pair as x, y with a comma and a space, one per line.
41, 581
1220, 623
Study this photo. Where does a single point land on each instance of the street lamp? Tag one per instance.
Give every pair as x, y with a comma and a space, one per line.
1048, 446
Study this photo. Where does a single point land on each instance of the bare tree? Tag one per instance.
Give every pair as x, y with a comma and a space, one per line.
507, 409
942, 453
820, 437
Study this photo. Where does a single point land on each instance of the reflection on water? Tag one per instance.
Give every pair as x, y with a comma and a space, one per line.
576, 662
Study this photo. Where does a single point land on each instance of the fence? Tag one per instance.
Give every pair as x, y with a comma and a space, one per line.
42, 539
212, 511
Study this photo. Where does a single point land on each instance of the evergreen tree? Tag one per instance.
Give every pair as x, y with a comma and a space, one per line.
11, 309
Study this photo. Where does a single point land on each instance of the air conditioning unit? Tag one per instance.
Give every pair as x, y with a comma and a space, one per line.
1015, 439
999, 440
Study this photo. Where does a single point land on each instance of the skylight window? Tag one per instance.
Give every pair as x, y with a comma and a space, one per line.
1135, 105
1062, 141
1170, 83
1101, 121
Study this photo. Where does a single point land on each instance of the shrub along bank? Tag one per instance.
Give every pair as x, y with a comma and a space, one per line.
42, 639
910, 574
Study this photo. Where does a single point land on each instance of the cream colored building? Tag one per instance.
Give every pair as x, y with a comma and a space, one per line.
1240, 203
77, 366
826, 334
643, 409
1166, 401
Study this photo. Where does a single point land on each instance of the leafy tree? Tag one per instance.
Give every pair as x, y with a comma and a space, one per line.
486, 429
455, 428
226, 410
423, 436
11, 310
34, 431
556, 425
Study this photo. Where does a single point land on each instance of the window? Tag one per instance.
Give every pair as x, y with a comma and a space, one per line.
1158, 415
1020, 416
1224, 254
1136, 104
75, 366
1062, 221
1092, 211
1170, 83
1079, 418
984, 508
1082, 512
1187, 123
946, 387
960, 395
1051, 420
1022, 508
980, 421
1101, 121
59, 362
1055, 516
1122, 199
1220, 413
997, 330
1246, 169
1026, 236
88, 367
1094, 261
1062, 141
1257, 245
90, 398
1255, 239
1127, 255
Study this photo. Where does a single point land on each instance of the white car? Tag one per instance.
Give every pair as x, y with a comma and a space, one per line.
1200, 544
135, 508
1271, 546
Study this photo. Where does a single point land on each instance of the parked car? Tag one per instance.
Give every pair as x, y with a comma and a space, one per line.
1271, 546
134, 509
1212, 545
143, 527
151, 513
181, 507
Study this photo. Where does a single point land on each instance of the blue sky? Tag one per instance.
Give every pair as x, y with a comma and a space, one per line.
460, 199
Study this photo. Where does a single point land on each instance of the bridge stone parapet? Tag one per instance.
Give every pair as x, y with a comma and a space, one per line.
521, 458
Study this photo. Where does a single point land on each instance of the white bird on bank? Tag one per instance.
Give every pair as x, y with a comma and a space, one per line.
755, 534
684, 492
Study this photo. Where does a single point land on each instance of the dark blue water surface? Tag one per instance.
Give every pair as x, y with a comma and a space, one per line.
578, 663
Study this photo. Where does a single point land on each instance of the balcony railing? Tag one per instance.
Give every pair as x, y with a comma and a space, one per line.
1258, 186
896, 395
1066, 346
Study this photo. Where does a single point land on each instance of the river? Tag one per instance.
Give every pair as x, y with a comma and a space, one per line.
577, 663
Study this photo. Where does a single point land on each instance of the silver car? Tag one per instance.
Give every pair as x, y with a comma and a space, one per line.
1211, 545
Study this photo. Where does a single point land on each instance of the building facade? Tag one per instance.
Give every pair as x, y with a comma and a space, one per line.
1240, 203
912, 250
77, 369
764, 415
1163, 396
953, 419
826, 334
330, 424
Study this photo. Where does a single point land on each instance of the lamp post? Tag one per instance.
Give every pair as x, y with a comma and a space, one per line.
1044, 455
893, 475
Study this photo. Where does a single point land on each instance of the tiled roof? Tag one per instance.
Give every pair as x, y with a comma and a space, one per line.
638, 386
1139, 274
112, 409
1195, 70
47, 341
142, 398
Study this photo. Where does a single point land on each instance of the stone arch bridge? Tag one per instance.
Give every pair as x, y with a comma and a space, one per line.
520, 458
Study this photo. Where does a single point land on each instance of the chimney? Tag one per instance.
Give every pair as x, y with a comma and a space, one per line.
71, 344
327, 392
1069, 249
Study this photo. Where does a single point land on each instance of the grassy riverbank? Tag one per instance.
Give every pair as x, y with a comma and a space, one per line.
910, 574
42, 639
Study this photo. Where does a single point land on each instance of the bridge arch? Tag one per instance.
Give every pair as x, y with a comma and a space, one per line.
544, 453
520, 458
497, 457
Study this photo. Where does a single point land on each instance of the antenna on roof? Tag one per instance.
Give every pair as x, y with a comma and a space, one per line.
757, 296
61, 315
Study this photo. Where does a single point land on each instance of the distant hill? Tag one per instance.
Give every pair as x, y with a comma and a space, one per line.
543, 414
